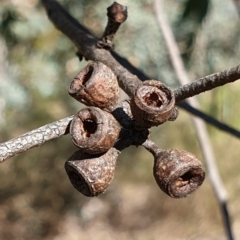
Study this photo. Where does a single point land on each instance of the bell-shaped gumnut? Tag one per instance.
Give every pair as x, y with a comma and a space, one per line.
178, 173
94, 130
96, 85
152, 104
91, 174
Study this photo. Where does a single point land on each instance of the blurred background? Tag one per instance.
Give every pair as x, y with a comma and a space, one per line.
37, 64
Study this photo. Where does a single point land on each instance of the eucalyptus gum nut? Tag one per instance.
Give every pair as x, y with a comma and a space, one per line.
152, 104
94, 130
96, 85
178, 173
91, 174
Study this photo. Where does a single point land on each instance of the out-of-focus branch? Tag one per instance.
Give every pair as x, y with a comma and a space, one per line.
3, 74
209, 119
34, 138
200, 126
237, 3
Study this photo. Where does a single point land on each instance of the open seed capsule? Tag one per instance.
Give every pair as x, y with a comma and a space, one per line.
94, 130
152, 104
91, 174
178, 173
96, 85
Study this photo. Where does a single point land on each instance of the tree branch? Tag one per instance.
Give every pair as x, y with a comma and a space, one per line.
117, 14
188, 90
87, 46
207, 83
60, 14
34, 138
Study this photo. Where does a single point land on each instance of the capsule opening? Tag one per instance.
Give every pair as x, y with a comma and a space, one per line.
153, 99
185, 178
77, 179
89, 126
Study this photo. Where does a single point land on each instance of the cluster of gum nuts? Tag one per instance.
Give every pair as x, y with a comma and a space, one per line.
97, 131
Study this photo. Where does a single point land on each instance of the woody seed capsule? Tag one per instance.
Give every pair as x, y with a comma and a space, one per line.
96, 85
152, 104
91, 174
178, 173
94, 130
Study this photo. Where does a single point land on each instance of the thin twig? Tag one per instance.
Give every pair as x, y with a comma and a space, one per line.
34, 138
87, 46
117, 14
151, 147
208, 83
200, 126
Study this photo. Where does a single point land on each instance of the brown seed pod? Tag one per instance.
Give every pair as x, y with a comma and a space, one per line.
178, 173
96, 85
91, 174
94, 130
152, 104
